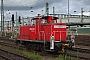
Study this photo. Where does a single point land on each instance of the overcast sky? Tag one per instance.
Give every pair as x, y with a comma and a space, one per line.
23, 7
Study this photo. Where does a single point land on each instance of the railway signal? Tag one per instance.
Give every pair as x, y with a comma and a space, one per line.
19, 20
12, 18
12, 26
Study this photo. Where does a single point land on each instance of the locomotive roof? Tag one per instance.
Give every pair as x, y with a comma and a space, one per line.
44, 17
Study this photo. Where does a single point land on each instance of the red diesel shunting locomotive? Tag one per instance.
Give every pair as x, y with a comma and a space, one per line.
44, 33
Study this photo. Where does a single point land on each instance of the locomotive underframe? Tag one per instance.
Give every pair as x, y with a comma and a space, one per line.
45, 46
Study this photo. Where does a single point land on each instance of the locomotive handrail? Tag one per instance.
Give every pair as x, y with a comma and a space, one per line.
43, 34
43, 37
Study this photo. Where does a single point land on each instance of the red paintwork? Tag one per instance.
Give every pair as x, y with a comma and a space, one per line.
43, 31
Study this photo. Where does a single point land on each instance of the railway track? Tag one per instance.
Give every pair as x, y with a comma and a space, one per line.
12, 46
12, 56
4, 58
43, 54
83, 40
82, 50
76, 52
7, 40
79, 53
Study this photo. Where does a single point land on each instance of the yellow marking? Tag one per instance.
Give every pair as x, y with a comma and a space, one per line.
64, 45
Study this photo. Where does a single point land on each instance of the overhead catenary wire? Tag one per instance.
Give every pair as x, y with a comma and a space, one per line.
12, 3
31, 2
9, 3
19, 3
